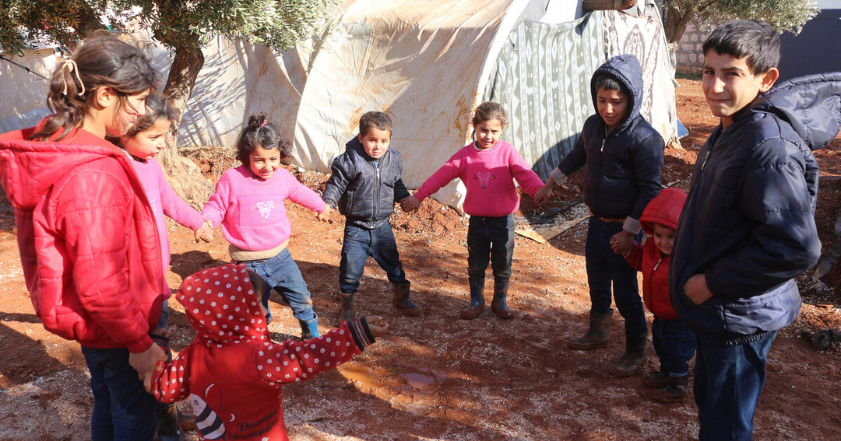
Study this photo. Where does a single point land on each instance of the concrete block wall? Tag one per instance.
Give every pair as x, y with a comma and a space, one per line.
690, 58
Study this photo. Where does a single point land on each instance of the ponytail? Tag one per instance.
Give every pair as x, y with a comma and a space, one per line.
105, 61
259, 132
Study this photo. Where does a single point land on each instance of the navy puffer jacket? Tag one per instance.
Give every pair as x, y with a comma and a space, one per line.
624, 167
748, 223
364, 193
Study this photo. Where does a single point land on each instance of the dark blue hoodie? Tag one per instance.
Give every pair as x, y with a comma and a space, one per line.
365, 190
748, 223
623, 167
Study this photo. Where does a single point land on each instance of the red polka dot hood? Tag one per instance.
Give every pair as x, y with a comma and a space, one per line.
221, 305
233, 372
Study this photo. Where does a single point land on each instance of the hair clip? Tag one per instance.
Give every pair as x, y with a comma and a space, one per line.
264, 123
71, 68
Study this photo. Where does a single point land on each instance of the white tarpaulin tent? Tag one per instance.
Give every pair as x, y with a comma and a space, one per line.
428, 64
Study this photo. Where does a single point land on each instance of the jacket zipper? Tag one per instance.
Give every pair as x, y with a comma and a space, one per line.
706, 158
658, 263
376, 194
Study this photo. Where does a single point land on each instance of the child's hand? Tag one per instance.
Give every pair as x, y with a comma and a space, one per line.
205, 232
377, 325
409, 203
324, 216
622, 243
542, 195
162, 332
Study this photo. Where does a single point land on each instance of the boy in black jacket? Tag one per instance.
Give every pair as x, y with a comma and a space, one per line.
748, 228
365, 183
624, 159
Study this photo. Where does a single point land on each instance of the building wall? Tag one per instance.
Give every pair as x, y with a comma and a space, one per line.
690, 58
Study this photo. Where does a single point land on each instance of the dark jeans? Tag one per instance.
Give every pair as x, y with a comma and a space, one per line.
490, 239
122, 410
605, 267
358, 245
281, 273
674, 343
728, 382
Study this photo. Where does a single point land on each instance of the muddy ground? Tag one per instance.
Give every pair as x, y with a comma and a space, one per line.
437, 377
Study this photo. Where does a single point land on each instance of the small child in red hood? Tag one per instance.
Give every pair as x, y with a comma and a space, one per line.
673, 341
233, 372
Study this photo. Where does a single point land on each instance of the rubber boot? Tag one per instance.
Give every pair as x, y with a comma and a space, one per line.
597, 335
402, 302
309, 328
632, 360
346, 313
498, 305
168, 428
477, 302
657, 380
675, 391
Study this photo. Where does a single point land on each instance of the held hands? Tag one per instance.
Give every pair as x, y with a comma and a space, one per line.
696, 289
409, 203
205, 232
542, 195
622, 243
144, 363
377, 325
324, 216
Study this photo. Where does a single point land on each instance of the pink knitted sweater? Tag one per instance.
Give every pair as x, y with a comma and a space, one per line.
489, 177
164, 201
251, 209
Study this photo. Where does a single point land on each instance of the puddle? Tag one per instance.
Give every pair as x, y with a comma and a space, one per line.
382, 378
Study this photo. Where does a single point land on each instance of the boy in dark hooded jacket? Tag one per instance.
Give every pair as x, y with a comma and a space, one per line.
747, 228
624, 159
365, 183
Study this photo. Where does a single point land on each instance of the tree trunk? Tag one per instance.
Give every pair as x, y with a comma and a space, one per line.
676, 23
183, 175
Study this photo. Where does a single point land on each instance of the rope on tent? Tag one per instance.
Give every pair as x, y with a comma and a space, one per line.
23, 67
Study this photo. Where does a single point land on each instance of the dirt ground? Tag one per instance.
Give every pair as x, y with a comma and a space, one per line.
438, 377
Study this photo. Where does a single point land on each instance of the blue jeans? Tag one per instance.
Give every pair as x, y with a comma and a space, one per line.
281, 273
358, 244
603, 267
674, 343
164, 320
122, 410
728, 382
490, 239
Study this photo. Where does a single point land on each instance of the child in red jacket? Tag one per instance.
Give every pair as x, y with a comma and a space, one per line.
233, 371
673, 341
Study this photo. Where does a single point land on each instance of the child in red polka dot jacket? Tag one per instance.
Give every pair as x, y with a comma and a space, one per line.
233, 372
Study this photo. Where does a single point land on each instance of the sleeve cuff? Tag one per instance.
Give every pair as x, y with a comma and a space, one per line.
558, 176
361, 334
632, 225
140, 345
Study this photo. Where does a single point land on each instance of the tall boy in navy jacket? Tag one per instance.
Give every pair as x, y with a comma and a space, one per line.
624, 158
365, 183
747, 227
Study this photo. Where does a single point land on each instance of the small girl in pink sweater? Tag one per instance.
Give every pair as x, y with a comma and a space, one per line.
142, 143
487, 167
248, 202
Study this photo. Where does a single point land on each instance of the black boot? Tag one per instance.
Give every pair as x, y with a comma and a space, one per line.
657, 380
633, 359
498, 305
597, 335
168, 428
477, 301
402, 302
675, 391
346, 313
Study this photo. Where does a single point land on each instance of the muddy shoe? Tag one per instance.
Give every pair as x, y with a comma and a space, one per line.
477, 302
597, 335
346, 314
498, 305
657, 380
676, 391
632, 361
402, 301
187, 421
168, 428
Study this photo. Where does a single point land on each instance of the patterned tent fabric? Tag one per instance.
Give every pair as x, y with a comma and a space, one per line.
643, 37
543, 80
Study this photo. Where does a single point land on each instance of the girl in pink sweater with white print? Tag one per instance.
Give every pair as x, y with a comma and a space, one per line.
248, 202
487, 167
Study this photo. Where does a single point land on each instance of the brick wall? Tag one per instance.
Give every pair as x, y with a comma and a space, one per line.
690, 59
